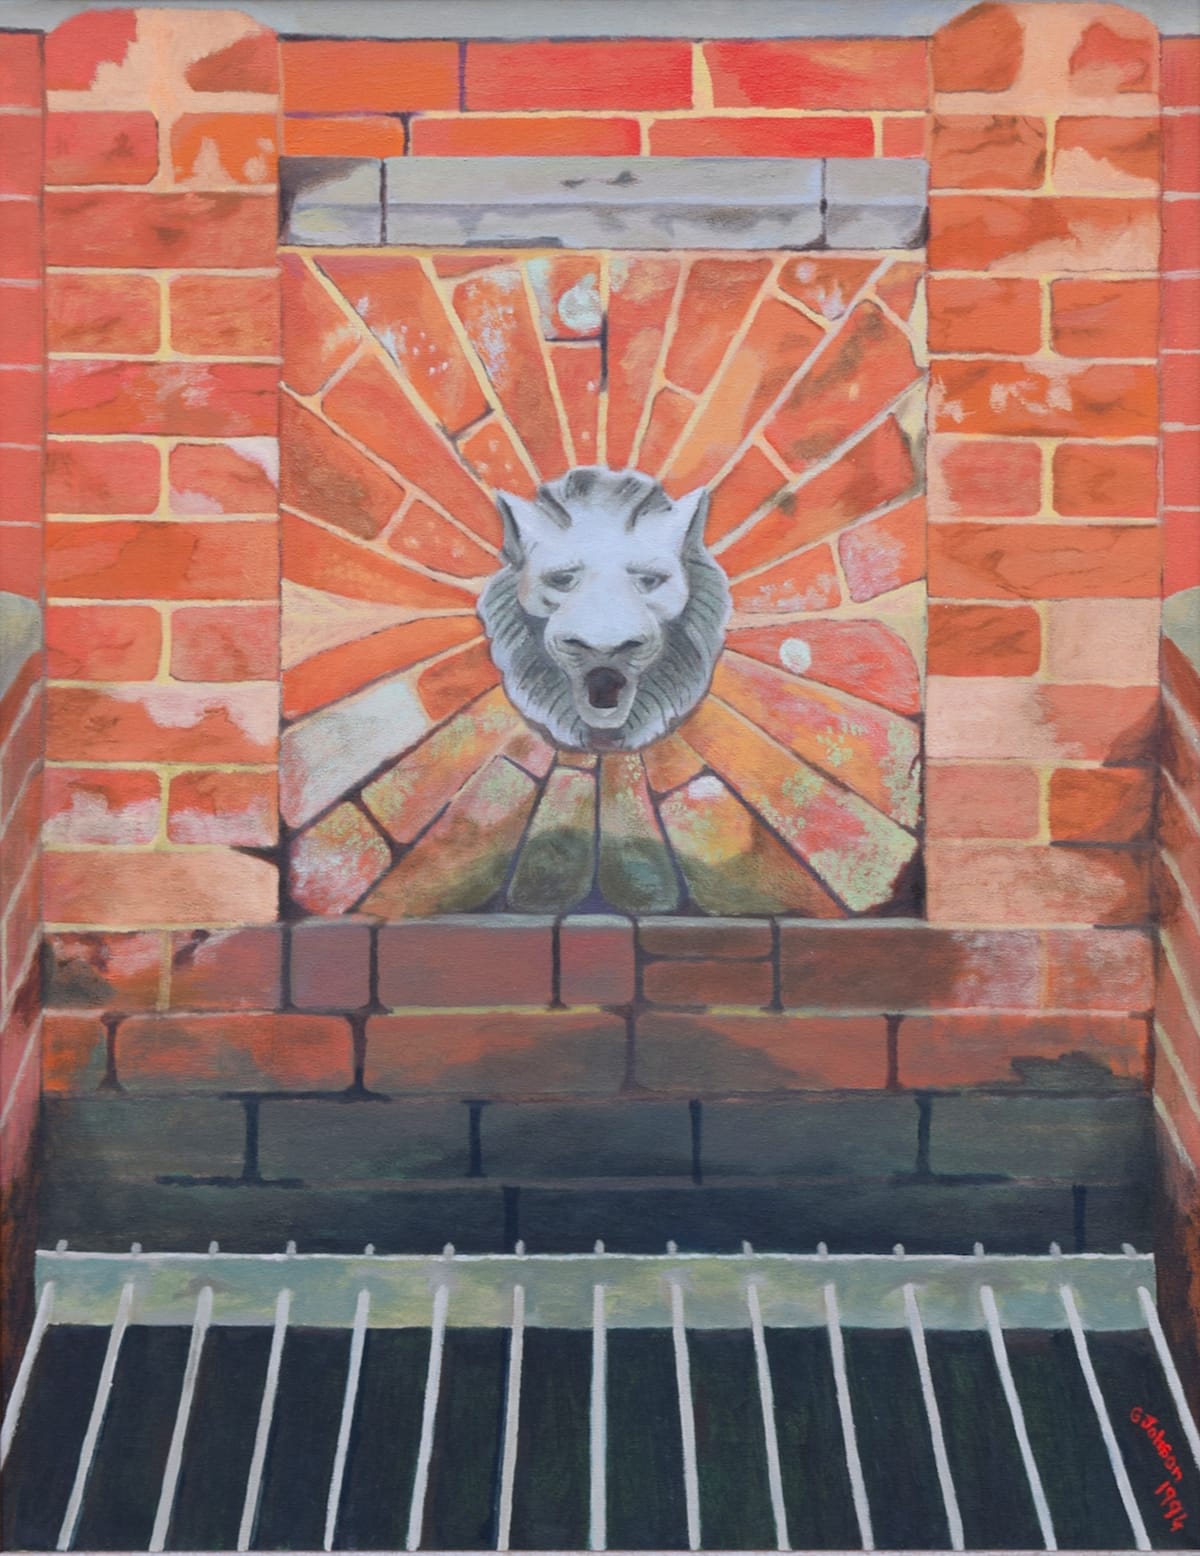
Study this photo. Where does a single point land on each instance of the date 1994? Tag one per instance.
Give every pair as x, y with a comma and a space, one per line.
1169, 1503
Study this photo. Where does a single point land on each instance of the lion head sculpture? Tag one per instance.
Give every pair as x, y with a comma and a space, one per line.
608, 614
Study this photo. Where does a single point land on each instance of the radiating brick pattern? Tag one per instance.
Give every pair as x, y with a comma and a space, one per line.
413, 392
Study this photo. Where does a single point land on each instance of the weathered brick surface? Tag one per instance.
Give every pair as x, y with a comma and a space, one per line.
974, 1050
238, 970
494, 1054
330, 966
697, 1055
238, 1052
596, 961
465, 962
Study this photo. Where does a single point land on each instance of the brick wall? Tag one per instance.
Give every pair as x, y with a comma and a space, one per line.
22, 371
1177, 1062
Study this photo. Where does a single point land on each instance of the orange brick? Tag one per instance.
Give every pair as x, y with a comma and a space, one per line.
1106, 480
970, 479
248, 64
141, 230
1011, 883
905, 136
183, 398
74, 1053
328, 76
77, 49
884, 553
1181, 154
225, 643
100, 805
106, 313
157, 722
225, 316
170, 561
103, 642
22, 333
1099, 969
215, 150
268, 1052
20, 70
318, 336
983, 640
361, 135
1001, 315
1104, 318
21, 241
819, 73
982, 800
325, 476
972, 1050
807, 136
1181, 72
717, 295
1030, 399
1114, 54
21, 155
979, 51
238, 809
1101, 805
117, 477
1030, 235
101, 148
222, 478
996, 151
1105, 156
999, 718
136, 889
20, 485
21, 403
533, 136
1043, 560
1180, 389
630, 73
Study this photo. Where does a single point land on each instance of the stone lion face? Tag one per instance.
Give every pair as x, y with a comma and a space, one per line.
608, 614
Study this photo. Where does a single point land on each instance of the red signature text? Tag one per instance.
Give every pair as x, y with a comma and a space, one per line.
1170, 1506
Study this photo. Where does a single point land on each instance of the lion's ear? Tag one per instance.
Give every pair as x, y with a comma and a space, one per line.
689, 513
524, 524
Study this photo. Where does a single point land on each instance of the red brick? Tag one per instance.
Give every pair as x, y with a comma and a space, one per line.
1099, 969
739, 939
490, 1053
1040, 721
21, 748
223, 478
20, 485
21, 155
809, 136
466, 962
160, 722
21, 559
240, 969
699, 1055
101, 148
101, 805
1032, 399
997, 151
819, 73
596, 961
87, 478
225, 643
1029, 235
903, 967
172, 560
1043, 561
1106, 155
717, 982
225, 316
20, 837
989, 883
1116, 58
182, 398
367, 76
22, 928
74, 1053
77, 49
21, 241
979, 51
22, 335
239, 809
1180, 316
988, 1050
1180, 389
1101, 805
1171, 1098
105, 313
1181, 234
885, 553
323, 475
1181, 467
330, 966
214, 150
533, 136
141, 888
22, 403
21, 70
268, 1052
975, 314
905, 136
1181, 551
1102, 480
1105, 318
970, 479
357, 135
983, 640
190, 231
26, 678
249, 64
104, 972
982, 800
103, 642
630, 73
1181, 72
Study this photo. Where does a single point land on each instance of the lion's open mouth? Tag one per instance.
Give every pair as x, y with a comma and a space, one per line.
604, 686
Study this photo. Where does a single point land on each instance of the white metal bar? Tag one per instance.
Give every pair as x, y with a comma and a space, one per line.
187, 1393
598, 1519
858, 1486
1120, 1473
12, 1413
433, 1383
1186, 1419
512, 1420
1037, 1491
766, 1396
687, 1418
945, 1480
358, 1338
266, 1415
87, 1451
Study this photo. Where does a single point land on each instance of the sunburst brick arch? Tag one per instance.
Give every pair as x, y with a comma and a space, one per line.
417, 385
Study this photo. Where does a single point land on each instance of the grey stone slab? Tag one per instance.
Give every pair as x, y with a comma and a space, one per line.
875, 227
335, 200
1080, 1139
899, 181
588, 1140
810, 1137
20, 634
605, 226
362, 1141
102, 1138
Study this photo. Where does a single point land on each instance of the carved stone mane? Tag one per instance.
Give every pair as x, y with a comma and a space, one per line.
607, 617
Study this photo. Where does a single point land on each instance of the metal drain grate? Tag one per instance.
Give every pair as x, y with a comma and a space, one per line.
232, 1401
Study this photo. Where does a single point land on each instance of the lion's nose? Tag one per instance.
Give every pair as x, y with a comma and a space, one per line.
604, 650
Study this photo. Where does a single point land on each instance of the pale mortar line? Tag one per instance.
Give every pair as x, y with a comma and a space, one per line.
1173, 1135
470, 586
1166, 1047
31, 1045
658, 376
560, 410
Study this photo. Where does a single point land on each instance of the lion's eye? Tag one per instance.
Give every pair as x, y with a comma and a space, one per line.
561, 581
648, 582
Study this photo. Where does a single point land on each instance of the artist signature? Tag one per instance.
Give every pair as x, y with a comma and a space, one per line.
1169, 1504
